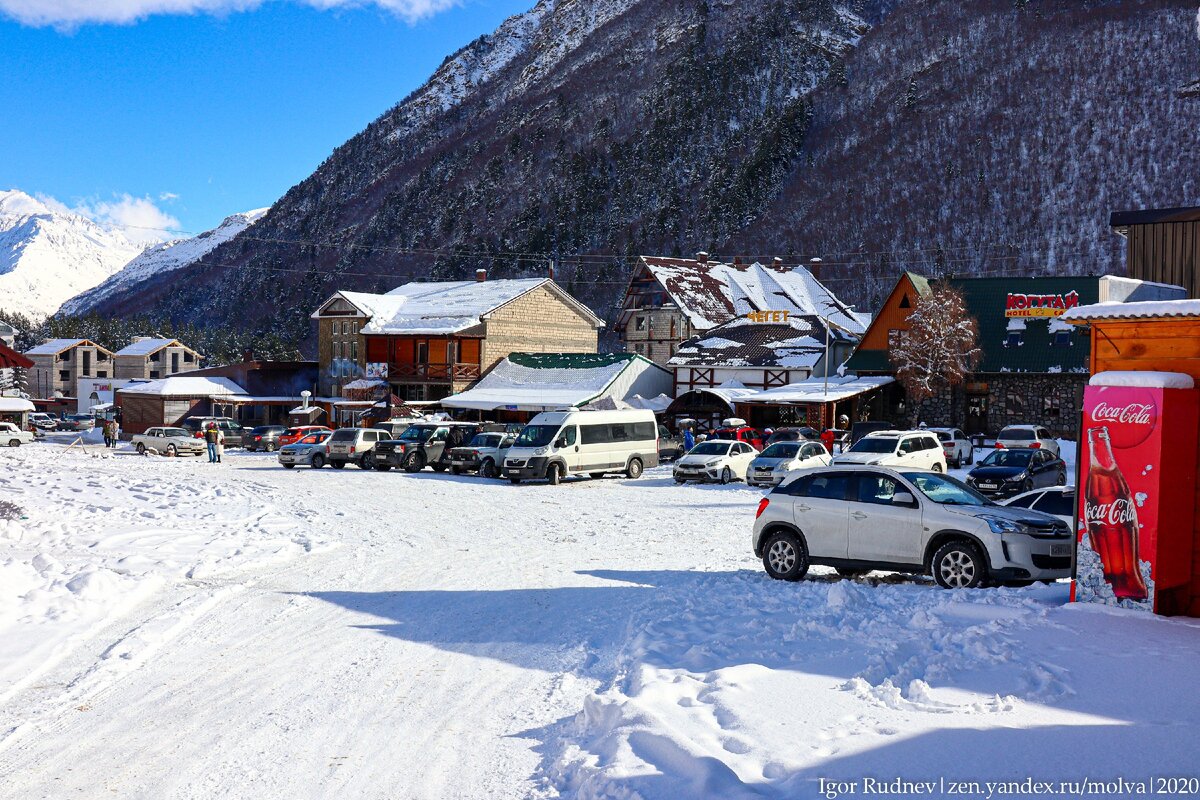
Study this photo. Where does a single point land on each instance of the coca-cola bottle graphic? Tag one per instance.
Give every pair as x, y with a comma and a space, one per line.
1112, 523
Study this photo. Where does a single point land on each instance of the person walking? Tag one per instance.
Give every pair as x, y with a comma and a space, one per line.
116, 433
210, 438
106, 429
220, 444
689, 439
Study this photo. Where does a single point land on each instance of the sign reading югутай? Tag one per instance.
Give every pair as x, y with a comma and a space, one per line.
1040, 305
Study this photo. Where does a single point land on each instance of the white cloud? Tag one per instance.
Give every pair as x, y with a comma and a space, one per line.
138, 218
73, 13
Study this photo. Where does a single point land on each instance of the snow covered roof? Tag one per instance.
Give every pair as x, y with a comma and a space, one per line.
711, 293
546, 381
798, 343
819, 390
53, 347
186, 386
1148, 309
14, 405
148, 346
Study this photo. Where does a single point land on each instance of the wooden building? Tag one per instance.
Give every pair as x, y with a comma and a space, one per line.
149, 358
430, 340
671, 300
1162, 245
58, 364
169, 401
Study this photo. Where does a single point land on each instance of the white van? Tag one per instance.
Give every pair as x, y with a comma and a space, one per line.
559, 443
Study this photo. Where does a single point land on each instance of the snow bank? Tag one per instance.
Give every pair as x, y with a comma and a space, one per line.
1149, 380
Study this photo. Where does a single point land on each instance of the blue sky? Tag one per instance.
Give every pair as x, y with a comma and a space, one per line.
183, 119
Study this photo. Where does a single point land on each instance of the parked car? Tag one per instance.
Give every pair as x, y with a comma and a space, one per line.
794, 435
556, 444
168, 442
738, 431
721, 460
912, 449
1058, 501
354, 446
1011, 471
233, 430
397, 426
955, 445
772, 466
76, 422
1034, 436
308, 449
264, 437
482, 454
425, 444
43, 421
860, 429
670, 445
857, 518
12, 436
293, 435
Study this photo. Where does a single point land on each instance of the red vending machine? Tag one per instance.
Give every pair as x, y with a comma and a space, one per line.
1137, 475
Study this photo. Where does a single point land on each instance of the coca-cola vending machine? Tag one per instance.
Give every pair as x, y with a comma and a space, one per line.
1137, 473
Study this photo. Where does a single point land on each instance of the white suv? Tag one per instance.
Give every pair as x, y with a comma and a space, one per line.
908, 449
1034, 436
857, 519
956, 445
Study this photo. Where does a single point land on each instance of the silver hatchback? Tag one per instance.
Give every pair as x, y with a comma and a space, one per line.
857, 519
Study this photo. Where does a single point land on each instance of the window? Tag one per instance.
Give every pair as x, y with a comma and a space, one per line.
828, 487
87, 363
896, 338
594, 434
905, 302
1014, 339
908, 446
354, 351
174, 362
876, 489
1014, 404
422, 352
1061, 504
345, 327
101, 374
643, 430
1061, 339
64, 375
1050, 407
154, 373
639, 323
619, 433
569, 435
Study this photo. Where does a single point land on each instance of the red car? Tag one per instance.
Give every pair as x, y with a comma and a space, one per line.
741, 433
293, 435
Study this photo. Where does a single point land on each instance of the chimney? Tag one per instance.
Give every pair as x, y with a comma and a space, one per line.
737, 261
247, 355
814, 266
778, 262
702, 257
551, 270
481, 275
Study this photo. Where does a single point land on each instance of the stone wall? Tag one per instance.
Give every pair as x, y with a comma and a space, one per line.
1052, 400
662, 330
536, 322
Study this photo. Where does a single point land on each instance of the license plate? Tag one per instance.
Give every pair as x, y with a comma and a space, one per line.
1060, 549
987, 486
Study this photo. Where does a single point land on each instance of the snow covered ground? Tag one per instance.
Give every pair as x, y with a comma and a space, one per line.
175, 629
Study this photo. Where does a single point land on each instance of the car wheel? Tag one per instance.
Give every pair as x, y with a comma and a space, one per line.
488, 468
958, 565
937, 468
1062, 479
367, 461
270, 448
288, 466
171, 451
141, 448
415, 462
634, 470
785, 557
971, 456
318, 461
338, 464
554, 474
15, 443
726, 475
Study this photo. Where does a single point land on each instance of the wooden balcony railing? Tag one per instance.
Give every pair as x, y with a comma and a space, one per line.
433, 373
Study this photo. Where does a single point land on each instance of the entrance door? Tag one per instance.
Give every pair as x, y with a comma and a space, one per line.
977, 414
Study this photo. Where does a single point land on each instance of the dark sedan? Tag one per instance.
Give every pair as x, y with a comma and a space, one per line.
264, 437
1019, 469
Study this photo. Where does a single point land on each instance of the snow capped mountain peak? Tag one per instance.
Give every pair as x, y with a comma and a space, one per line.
47, 255
160, 258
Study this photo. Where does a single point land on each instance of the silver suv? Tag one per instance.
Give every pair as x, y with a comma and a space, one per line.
856, 519
353, 446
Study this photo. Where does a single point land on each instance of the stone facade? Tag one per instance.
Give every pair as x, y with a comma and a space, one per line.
60, 372
340, 350
163, 363
988, 403
536, 322
656, 333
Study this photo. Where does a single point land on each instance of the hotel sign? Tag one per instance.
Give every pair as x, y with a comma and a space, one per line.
768, 316
1040, 305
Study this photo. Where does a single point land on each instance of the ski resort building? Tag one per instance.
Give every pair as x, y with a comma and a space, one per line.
670, 300
148, 358
425, 341
58, 364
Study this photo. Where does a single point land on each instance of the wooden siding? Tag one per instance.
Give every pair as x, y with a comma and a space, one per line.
891, 317
1165, 252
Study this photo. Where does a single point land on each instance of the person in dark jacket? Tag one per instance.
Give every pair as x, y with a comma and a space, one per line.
211, 436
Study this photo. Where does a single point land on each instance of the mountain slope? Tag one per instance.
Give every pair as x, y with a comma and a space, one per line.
158, 259
966, 136
48, 256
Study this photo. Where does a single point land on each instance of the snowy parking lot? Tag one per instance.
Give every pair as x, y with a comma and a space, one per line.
175, 629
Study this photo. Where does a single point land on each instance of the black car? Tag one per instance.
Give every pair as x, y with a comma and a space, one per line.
264, 437
1017, 469
426, 444
794, 435
670, 445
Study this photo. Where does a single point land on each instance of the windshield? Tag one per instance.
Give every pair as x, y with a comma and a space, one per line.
874, 445
485, 440
710, 449
944, 490
344, 435
781, 450
943, 436
417, 433
1008, 458
176, 432
536, 435
1017, 435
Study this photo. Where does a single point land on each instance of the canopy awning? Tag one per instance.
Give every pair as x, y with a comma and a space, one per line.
11, 359
819, 390
15, 405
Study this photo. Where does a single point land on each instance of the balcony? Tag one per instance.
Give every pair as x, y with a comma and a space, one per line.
432, 373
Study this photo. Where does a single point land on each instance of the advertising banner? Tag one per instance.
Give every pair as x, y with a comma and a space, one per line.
377, 369
1137, 454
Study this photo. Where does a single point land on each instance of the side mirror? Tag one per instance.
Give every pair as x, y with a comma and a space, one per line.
903, 499
560, 441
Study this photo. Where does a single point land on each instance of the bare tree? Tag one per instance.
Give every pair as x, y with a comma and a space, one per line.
940, 348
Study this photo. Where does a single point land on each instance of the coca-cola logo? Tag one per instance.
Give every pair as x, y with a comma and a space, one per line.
1118, 512
1129, 413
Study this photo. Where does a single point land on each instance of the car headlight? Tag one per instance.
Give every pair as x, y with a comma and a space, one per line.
541, 451
1001, 525
714, 462
1019, 478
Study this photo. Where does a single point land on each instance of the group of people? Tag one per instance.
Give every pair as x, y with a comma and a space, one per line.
112, 433
215, 438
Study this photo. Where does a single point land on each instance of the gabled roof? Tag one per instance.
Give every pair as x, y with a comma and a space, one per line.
798, 343
11, 358
711, 293
185, 386
53, 347
869, 356
149, 346
444, 307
